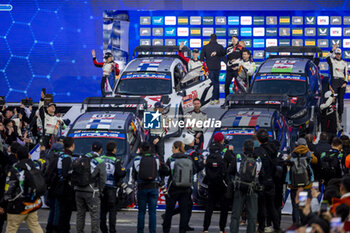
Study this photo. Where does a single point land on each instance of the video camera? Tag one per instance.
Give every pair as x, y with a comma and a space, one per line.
27, 102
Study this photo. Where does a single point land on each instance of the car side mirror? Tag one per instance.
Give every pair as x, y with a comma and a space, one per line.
182, 93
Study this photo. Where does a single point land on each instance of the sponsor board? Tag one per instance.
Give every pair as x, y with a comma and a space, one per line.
259, 31
208, 31
195, 43
323, 20
233, 20
170, 20
195, 20
220, 20
246, 20
182, 31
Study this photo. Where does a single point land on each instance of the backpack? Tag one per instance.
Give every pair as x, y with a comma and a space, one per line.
245, 181
215, 168
81, 175
34, 185
299, 171
183, 172
148, 168
50, 173
330, 165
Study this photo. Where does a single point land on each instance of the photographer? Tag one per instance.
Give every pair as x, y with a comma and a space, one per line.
329, 116
48, 122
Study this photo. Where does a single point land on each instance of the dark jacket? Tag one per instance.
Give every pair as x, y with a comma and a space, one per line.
64, 169
232, 52
119, 170
16, 202
320, 147
267, 153
196, 157
213, 62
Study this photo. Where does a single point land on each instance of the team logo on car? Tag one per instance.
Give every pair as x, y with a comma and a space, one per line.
151, 120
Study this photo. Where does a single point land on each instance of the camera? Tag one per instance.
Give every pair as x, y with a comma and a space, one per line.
126, 189
27, 102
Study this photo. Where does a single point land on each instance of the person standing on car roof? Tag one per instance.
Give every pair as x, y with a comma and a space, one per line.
194, 62
339, 76
156, 136
108, 67
213, 53
233, 62
329, 116
115, 174
199, 116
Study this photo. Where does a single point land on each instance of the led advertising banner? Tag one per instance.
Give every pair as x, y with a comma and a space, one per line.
256, 28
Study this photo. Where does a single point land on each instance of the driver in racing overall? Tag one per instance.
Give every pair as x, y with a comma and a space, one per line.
197, 115
194, 62
48, 123
156, 136
339, 76
108, 67
247, 65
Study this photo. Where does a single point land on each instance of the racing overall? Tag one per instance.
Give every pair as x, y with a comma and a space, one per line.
339, 77
329, 119
159, 134
197, 116
233, 56
194, 64
48, 126
109, 200
107, 68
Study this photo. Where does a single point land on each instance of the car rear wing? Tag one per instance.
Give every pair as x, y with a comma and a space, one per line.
281, 102
158, 50
126, 104
309, 52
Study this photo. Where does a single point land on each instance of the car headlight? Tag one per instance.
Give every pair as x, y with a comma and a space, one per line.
299, 114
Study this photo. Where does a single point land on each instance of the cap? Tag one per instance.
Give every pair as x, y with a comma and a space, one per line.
187, 138
108, 55
57, 147
158, 105
195, 50
338, 50
50, 104
96, 146
218, 137
301, 141
327, 94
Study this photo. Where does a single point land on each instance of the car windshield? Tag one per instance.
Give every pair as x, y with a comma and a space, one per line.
292, 85
83, 141
145, 83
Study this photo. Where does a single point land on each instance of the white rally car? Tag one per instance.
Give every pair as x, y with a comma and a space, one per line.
159, 74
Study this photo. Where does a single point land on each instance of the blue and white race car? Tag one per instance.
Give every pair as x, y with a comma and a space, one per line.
163, 76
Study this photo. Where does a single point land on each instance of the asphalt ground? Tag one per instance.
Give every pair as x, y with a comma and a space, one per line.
127, 222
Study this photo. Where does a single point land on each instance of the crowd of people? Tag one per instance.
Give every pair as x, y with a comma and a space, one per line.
250, 184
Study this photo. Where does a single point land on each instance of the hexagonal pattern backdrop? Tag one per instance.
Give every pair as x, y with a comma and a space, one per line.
47, 43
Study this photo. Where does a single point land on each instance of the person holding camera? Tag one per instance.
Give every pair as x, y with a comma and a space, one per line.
48, 123
339, 76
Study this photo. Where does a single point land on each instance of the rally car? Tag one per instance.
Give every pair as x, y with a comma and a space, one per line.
292, 72
103, 120
162, 76
239, 123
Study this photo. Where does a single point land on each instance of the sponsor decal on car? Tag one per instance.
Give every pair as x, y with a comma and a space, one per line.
233, 132
146, 76
283, 66
188, 99
100, 121
98, 135
281, 77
